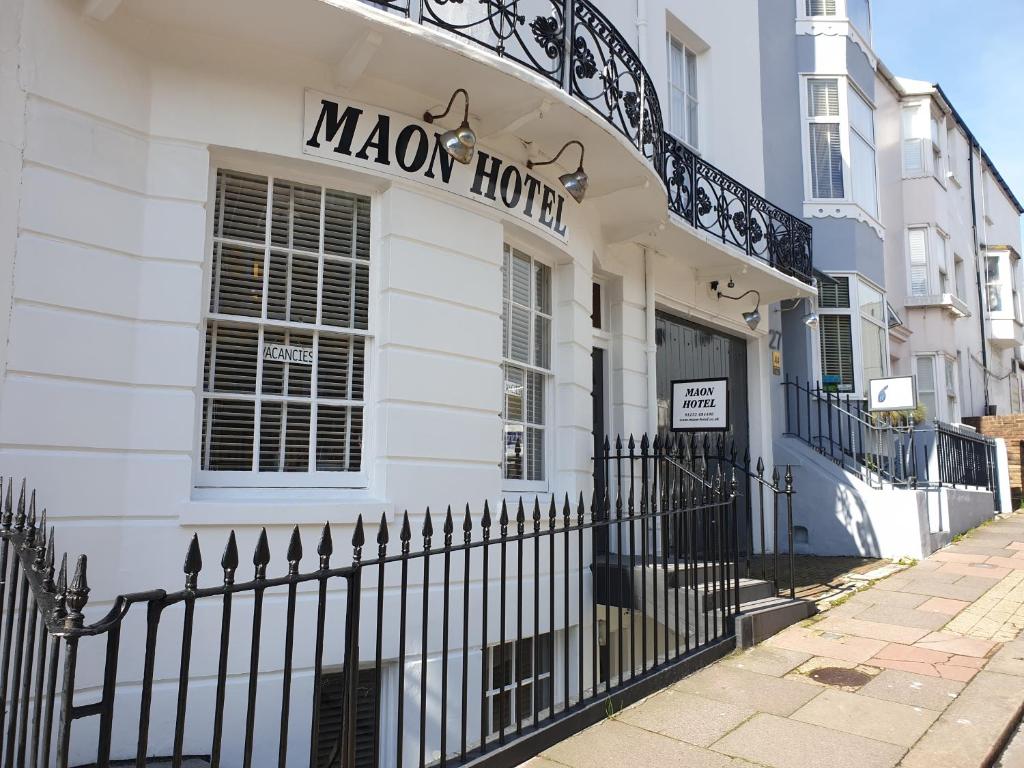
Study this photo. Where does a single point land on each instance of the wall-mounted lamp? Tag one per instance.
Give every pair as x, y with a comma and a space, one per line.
751, 318
810, 319
576, 182
461, 142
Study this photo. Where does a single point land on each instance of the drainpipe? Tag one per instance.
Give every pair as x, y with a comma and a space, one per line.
982, 309
641, 30
652, 347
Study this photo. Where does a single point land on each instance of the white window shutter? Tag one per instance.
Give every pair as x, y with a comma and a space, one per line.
821, 7
826, 161
837, 348
823, 97
918, 252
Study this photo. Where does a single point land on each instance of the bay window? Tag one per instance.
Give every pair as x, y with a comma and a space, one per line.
924, 136
286, 332
841, 165
853, 330
526, 339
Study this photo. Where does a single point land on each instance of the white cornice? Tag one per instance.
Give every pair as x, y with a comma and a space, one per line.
828, 209
837, 27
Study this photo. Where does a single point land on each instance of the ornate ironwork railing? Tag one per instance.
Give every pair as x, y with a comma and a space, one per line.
573, 44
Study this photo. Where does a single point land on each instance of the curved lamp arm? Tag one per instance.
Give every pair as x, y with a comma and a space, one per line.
531, 164
429, 118
742, 296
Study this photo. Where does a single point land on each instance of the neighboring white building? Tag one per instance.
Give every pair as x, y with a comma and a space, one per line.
872, 151
953, 242
245, 286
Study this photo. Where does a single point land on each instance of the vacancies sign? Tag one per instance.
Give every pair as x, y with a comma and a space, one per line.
355, 134
700, 405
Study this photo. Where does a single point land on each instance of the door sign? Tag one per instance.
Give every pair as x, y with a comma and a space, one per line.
700, 405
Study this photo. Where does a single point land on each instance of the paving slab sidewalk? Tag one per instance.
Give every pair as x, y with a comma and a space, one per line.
929, 671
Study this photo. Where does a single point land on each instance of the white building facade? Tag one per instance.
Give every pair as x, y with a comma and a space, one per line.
247, 287
952, 258
902, 227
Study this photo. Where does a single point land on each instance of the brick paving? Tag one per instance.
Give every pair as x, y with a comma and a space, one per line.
924, 668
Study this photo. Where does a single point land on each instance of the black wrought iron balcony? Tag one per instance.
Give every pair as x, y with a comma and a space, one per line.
574, 45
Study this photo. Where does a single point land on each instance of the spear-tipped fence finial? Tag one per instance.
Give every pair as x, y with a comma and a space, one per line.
325, 547
19, 517
229, 560
51, 551
485, 521
39, 563
405, 535
8, 514
60, 603
428, 530
294, 553
261, 556
30, 523
77, 594
193, 563
383, 536
449, 526
467, 527
358, 540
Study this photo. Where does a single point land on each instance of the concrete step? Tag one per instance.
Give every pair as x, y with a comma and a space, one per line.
677, 573
760, 619
750, 591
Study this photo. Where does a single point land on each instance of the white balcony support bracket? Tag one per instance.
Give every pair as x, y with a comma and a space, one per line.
353, 64
100, 10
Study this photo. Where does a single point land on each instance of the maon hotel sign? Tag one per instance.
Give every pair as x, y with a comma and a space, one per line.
700, 405
355, 134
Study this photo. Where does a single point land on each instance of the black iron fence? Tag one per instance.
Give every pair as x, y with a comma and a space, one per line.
483, 642
764, 523
574, 45
889, 450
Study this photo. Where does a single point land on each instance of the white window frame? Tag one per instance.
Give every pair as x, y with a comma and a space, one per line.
947, 281
689, 91
951, 385
253, 479
532, 486
929, 260
959, 277
934, 392
1005, 284
860, 383
845, 205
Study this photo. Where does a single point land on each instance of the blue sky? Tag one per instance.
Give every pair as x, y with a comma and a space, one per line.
974, 49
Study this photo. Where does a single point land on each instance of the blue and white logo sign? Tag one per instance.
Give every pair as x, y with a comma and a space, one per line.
896, 393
